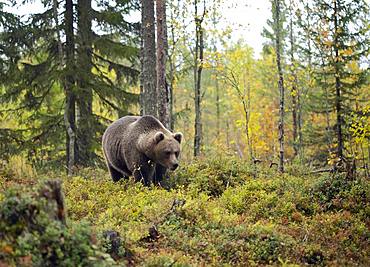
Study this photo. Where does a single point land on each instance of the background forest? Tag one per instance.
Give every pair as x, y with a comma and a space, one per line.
276, 151
71, 70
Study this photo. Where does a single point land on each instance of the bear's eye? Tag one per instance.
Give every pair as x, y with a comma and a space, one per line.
177, 154
167, 153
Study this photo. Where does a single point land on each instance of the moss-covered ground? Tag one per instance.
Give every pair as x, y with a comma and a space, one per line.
218, 212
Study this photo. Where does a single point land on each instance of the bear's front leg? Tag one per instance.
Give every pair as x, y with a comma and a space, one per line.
144, 172
160, 174
116, 175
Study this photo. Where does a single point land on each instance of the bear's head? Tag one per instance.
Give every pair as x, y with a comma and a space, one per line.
167, 149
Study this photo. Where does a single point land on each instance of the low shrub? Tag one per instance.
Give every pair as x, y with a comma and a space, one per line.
17, 168
336, 192
166, 261
219, 214
212, 176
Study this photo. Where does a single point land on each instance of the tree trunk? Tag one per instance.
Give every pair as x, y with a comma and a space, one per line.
281, 85
294, 90
170, 90
198, 67
162, 87
85, 131
329, 140
299, 126
56, 20
295, 122
172, 101
214, 22
67, 81
227, 133
247, 118
69, 113
246, 101
217, 106
171, 63
338, 100
149, 77
141, 75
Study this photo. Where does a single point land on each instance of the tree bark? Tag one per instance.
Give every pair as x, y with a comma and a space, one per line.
198, 67
149, 77
162, 46
329, 141
172, 101
69, 113
85, 131
214, 22
281, 85
67, 80
171, 65
141, 75
56, 20
294, 91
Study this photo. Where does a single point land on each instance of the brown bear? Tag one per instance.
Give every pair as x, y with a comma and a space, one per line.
142, 147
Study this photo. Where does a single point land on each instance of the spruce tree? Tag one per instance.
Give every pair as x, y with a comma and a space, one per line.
341, 37
44, 87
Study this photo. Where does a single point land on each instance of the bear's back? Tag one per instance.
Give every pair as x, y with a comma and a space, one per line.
120, 126
129, 128
148, 123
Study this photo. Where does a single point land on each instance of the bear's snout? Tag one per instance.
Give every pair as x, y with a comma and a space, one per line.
174, 166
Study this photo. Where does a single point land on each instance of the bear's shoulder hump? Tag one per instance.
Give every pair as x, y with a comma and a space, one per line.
149, 121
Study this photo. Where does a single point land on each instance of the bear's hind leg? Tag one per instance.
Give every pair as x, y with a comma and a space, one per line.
116, 175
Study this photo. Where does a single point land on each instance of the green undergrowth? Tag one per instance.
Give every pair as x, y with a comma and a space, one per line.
220, 212
32, 234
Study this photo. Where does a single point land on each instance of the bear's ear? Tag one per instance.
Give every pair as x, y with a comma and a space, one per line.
178, 137
159, 136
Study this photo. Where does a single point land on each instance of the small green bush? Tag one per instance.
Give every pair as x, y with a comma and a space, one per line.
336, 192
265, 244
212, 176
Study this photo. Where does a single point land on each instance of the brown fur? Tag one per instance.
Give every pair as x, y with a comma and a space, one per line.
142, 147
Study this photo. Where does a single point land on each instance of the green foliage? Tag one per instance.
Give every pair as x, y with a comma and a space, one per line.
18, 168
269, 219
336, 192
40, 71
30, 235
165, 261
212, 176
341, 43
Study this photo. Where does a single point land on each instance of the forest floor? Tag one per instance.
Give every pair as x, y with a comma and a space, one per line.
220, 212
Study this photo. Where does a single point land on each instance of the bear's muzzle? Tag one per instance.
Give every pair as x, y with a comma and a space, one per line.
174, 166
